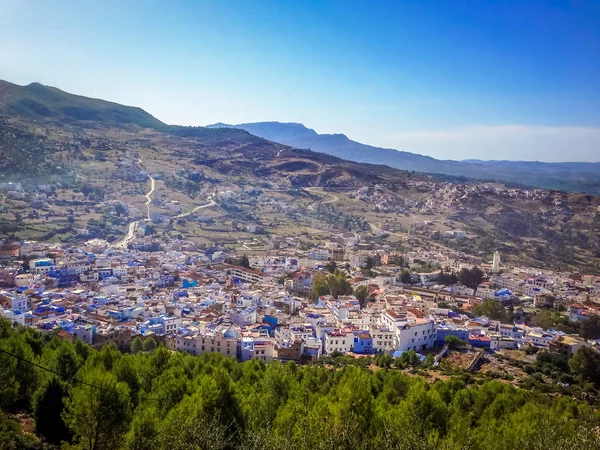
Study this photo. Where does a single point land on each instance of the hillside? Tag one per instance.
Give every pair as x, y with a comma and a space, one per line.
159, 399
574, 177
74, 179
36, 101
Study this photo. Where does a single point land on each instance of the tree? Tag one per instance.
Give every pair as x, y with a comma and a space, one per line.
136, 345
405, 277
244, 261
454, 342
361, 295
586, 364
48, 405
149, 344
471, 278
331, 266
98, 412
494, 310
446, 278
338, 284
590, 328
319, 285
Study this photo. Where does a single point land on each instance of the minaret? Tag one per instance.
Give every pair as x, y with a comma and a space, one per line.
496, 262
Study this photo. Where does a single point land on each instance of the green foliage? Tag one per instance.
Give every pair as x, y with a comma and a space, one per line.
586, 365
471, 278
405, 277
334, 284
454, 342
48, 406
149, 230
494, 310
98, 416
447, 278
331, 266
166, 400
361, 295
149, 344
590, 328
136, 345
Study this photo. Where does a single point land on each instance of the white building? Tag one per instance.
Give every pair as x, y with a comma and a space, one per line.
412, 330
41, 266
358, 260
383, 339
318, 254
496, 262
338, 341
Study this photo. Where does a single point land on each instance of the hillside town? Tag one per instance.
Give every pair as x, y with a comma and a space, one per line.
269, 307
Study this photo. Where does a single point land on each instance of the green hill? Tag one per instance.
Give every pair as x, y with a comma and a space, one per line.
36, 101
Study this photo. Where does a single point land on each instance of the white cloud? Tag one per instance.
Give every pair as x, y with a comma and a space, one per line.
511, 142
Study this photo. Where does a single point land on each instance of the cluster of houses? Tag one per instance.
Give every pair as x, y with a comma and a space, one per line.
194, 302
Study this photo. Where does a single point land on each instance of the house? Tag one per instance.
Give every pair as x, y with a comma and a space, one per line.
338, 341
363, 343
578, 312
9, 250
383, 339
41, 266
538, 338
249, 275
244, 316
445, 330
567, 345
318, 254
412, 330
291, 351
498, 342
257, 348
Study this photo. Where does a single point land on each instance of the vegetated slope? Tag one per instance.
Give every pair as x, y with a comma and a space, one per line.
80, 156
574, 177
159, 399
39, 102
36, 101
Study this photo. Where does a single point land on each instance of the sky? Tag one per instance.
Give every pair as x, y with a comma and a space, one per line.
449, 78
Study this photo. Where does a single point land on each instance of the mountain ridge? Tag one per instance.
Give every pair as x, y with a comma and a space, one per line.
39, 102
570, 176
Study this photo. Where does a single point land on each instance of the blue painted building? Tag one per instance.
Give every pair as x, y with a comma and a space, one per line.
363, 343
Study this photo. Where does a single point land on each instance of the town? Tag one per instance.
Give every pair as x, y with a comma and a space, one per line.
291, 304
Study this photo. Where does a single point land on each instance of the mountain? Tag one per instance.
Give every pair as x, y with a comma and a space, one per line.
89, 172
568, 176
36, 101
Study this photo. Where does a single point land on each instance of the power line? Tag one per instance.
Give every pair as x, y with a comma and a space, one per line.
50, 370
76, 380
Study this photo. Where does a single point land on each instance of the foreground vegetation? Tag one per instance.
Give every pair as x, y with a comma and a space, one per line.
166, 400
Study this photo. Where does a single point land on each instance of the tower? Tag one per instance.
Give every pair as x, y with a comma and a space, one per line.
496, 262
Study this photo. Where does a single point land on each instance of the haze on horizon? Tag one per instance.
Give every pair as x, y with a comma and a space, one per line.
452, 80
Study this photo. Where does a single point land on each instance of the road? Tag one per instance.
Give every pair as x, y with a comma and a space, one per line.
132, 227
197, 208
149, 197
334, 198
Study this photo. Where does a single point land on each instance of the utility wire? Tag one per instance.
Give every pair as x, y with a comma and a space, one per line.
76, 380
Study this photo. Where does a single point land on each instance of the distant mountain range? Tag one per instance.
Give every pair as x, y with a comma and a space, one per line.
569, 176
38, 102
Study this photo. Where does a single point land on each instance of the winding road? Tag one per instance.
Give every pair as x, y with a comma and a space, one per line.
132, 226
197, 208
334, 198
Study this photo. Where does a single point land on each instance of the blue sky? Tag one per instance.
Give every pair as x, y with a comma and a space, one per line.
451, 79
